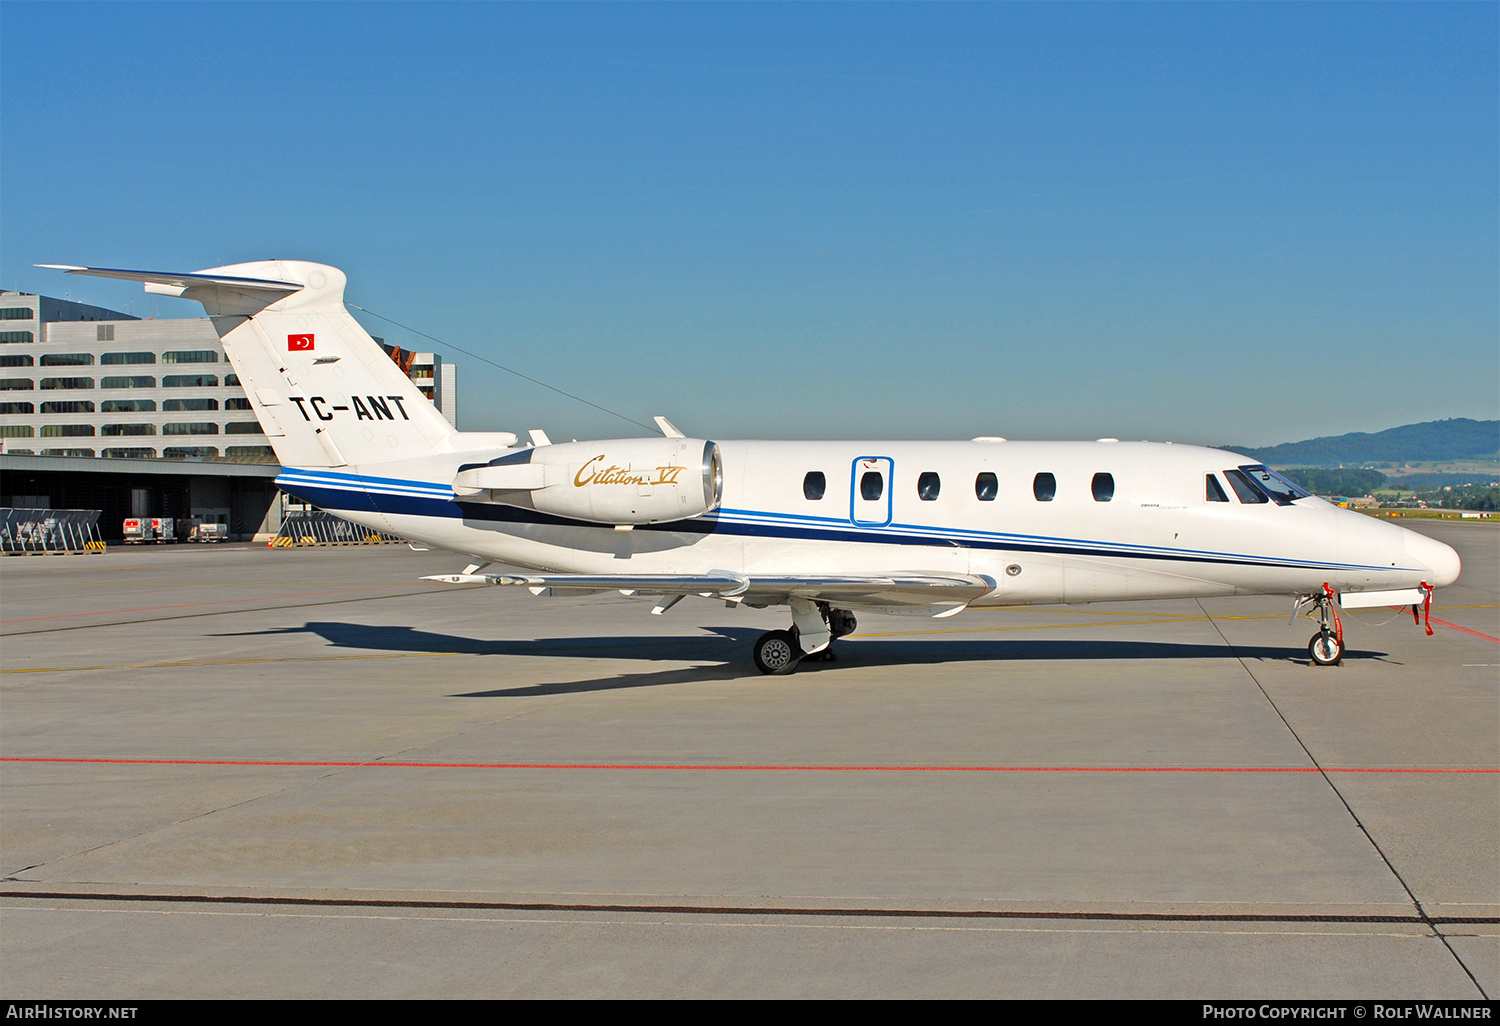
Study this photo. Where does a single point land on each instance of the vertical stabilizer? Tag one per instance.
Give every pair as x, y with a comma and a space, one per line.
326, 394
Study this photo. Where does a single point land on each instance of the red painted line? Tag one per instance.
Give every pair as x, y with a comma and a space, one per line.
749, 768
1456, 627
216, 602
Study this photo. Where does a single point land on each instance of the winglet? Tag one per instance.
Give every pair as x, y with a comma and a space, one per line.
668, 428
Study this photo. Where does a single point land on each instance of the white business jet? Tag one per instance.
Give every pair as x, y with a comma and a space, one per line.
824, 528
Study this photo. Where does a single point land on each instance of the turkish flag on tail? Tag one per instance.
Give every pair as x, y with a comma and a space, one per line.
299, 343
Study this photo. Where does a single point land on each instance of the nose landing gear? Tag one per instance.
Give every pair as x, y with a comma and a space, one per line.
1327, 646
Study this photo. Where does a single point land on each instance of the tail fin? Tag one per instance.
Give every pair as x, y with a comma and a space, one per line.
325, 393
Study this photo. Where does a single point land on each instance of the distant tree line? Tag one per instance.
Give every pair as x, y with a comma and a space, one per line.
1455, 439
1477, 497
1336, 482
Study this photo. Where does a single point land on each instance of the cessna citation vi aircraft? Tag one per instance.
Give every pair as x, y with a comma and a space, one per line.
824, 528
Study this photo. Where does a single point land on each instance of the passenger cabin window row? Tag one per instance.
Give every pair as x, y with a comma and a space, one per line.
930, 486
1252, 484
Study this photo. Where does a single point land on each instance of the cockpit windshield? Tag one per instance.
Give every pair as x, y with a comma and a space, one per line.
1281, 491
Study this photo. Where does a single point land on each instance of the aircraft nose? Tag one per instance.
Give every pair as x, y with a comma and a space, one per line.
1440, 560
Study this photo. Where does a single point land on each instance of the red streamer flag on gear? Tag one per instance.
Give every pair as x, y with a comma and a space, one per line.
299, 343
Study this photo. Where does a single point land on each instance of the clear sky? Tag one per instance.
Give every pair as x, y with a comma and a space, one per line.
1214, 223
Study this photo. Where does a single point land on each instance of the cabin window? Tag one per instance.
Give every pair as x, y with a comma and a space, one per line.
1044, 487
986, 487
1244, 487
1103, 487
1212, 490
871, 485
814, 485
928, 486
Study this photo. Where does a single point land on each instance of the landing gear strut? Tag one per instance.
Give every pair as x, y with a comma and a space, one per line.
779, 652
1327, 646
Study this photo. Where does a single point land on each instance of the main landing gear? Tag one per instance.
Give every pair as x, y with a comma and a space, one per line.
815, 626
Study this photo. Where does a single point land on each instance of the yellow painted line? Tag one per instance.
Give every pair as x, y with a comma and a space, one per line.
235, 662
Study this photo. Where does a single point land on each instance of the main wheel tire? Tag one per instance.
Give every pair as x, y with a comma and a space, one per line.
1325, 649
841, 622
776, 652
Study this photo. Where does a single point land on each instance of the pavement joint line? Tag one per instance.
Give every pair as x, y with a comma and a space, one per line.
233, 662
211, 612
214, 602
744, 768
754, 910
1391, 866
663, 921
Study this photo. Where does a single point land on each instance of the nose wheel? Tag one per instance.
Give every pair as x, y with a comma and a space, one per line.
1326, 648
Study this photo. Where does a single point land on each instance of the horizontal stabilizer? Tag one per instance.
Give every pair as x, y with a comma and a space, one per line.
181, 280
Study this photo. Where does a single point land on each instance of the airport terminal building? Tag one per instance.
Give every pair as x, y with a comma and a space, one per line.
141, 417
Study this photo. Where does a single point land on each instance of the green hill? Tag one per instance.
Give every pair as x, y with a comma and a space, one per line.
1455, 439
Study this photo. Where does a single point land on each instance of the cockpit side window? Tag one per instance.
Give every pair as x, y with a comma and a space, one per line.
1244, 487
1282, 491
1212, 490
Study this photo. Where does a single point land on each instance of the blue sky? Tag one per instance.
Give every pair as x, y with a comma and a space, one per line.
1201, 222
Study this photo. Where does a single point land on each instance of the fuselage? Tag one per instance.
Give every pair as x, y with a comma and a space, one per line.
1045, 522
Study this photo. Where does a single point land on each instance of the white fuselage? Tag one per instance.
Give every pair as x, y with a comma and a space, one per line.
1158, 535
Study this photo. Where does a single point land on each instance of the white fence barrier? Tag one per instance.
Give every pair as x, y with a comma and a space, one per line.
49, 530
316, 527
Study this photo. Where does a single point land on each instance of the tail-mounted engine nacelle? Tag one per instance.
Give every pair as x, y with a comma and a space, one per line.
622, 481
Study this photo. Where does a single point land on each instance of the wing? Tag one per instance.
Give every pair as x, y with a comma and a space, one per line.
924, 594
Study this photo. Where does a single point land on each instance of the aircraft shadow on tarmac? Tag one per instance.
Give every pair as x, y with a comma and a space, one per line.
726, 649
